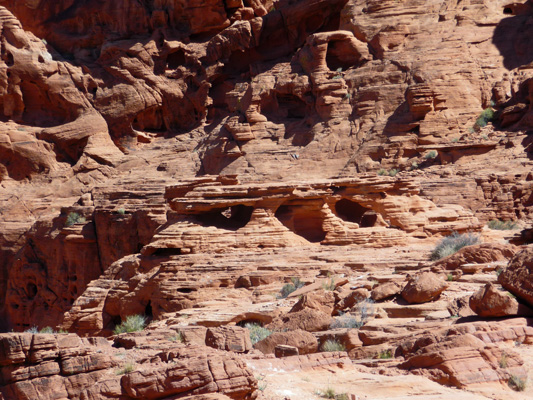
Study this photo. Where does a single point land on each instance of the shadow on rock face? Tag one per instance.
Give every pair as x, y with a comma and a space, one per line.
513, 36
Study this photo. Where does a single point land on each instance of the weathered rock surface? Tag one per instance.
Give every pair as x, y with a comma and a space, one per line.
216, 150
517, 277
304, 341
423, 287
44, 366
491, 302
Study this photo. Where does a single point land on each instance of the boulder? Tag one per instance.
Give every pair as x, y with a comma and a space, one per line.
478, 254
308, 320
305, 342
229, 338
322, 300
385, 290
518, 276
348, 299
423, 287
283, 350
491, 302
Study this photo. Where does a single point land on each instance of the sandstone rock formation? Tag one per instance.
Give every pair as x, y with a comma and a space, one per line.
490, 302
186, 160
517, 276
423, 287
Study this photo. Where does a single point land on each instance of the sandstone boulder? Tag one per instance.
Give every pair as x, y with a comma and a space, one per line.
308, 320
518, 276
229, 338
322, 300
423, 287
283, 350
348, 299
385, 290
478, 254
304, 341
491, 302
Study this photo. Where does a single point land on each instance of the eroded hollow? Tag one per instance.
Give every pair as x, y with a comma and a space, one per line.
351, 211
231, 218
150, 120
305, 221
341, 55
175, 59
285, 106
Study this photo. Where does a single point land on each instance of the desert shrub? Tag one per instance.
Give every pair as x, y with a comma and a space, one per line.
33, 329
329, 286
503, 360
496, 224
287, 289
391, 172
47, 329
178, 337
330, 393
449, 278
453, 243
125, 369
516, 383
74, 218
385, 354
121, 211
431, 155
346, 321
486, 116
332, 345
133, 323
257, 332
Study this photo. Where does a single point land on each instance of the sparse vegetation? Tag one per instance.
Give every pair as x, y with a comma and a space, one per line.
453, 243
257, 332
499, 225
503, 360
332, 345
346, 321
126, 368
486, 116
449, 278
74, 218
47, 329
178, 337
414, 165
431, 155
391, 172
329, 286
133, 323
33, 329
287, 289
121, 211
330, 393
385, 354
516, 383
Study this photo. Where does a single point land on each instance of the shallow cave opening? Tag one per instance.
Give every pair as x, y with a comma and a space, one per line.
351, 211
167, 252
31, 290
150, 120
231, 218
283, 107
508, 11
341, 55
249, 321
303, 221
176, 59
148, 310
